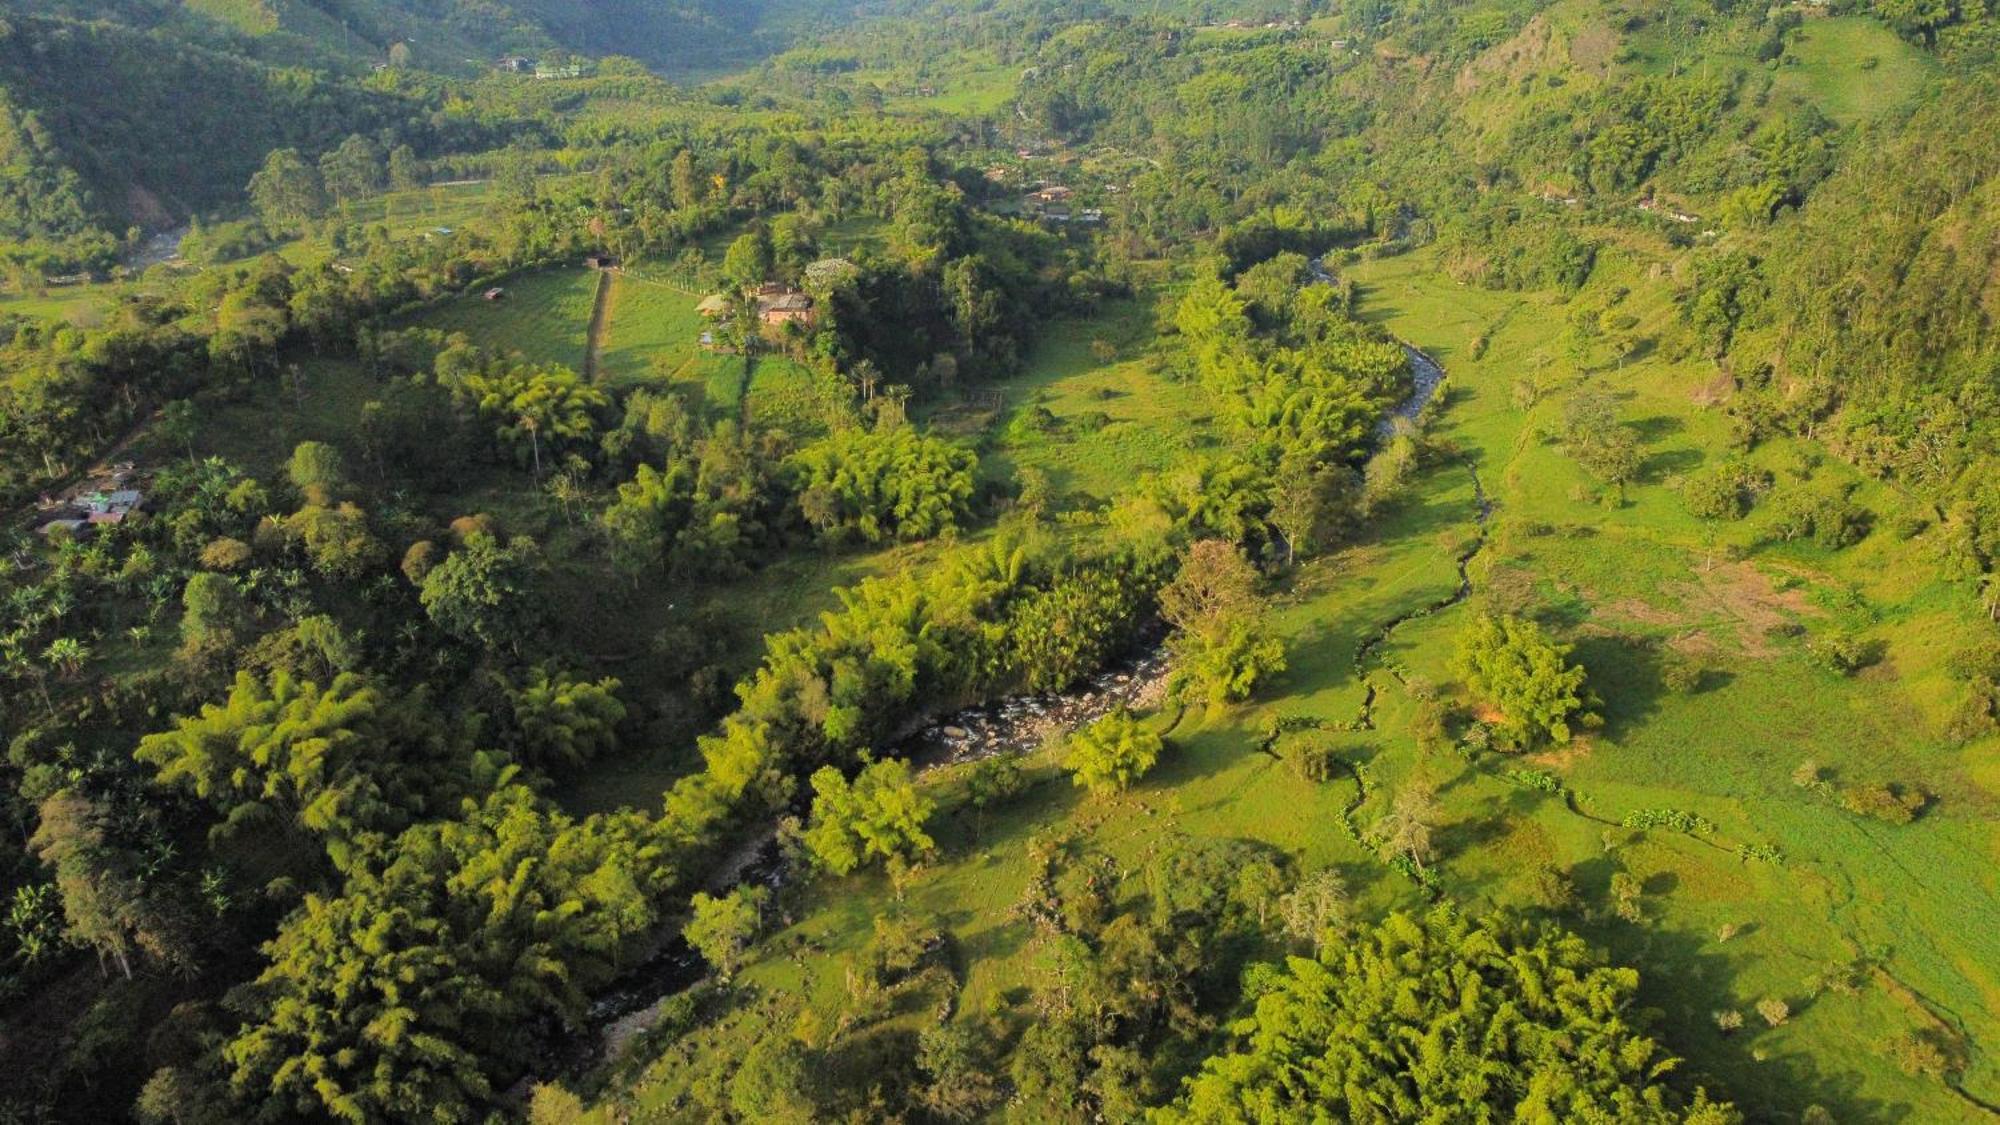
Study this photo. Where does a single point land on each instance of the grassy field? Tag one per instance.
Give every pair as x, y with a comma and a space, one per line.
545, 316
1865, 930
1832, 70
970, 83
1110, 416
651, 328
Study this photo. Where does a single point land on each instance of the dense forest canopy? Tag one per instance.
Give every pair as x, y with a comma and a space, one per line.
1017, 560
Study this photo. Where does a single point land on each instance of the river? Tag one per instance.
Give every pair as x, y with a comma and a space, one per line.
164, 246
1013, 724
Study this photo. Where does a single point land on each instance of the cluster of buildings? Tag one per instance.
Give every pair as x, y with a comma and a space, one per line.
108, 497
1653, 206
540, 68
1053, 203
775, 305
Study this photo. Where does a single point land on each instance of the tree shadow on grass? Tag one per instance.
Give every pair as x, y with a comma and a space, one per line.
1668, 463
998, 941
1657, 427
1623, 672
1685, 982
1181, 769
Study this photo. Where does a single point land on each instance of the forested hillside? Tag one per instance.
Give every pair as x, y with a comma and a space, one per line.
127, 115
999, 560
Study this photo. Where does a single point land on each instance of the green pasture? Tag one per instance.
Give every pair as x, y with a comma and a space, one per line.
1866, 930
651, 329
1833, 71
1632, 584
544, 317
1110, 414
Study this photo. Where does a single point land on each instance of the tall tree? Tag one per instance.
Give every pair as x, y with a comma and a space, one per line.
287, 191
879, 815
1221, 642
721, 928
105, 900
353, 170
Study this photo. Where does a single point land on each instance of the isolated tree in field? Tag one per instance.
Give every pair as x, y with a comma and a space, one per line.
1605, 446
1110, 754
993, 781
879, 815
1444, 1017
1513, 666
286, 191
1721, 492
1405, 830
721, 928
1315, 507
1221, 644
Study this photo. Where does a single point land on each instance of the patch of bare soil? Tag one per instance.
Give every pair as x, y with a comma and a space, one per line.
1735, 596
1748, 597
1511, 59
1593, 48
1562, 757
1694, 643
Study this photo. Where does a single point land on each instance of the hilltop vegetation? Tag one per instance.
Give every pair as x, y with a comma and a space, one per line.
1019, 561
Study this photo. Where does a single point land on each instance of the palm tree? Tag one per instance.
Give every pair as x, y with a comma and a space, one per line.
566, 491
15, 664
67, 655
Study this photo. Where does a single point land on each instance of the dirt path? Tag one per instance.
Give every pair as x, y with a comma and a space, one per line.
600, 321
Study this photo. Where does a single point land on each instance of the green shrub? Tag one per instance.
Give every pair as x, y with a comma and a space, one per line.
1513, 665
1311, 756
1886, 801
1675, 819
1682, 674
1825, 515
1110, 754
1845, 653
1723, 492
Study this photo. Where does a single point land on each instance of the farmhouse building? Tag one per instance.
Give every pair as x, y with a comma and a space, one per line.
787, 307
